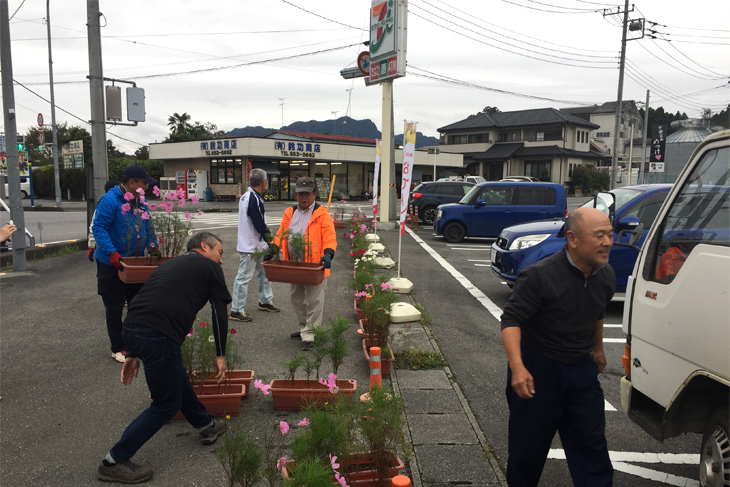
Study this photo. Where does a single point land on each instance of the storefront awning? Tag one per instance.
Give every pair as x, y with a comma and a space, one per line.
266, 166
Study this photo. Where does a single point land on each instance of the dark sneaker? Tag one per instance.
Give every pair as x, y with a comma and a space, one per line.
307, 346
240, 316
125, 472
208, 437
296, 335
269, 307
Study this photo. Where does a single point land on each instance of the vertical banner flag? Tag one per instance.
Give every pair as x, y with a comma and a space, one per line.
378, 150
658, 142
409, 147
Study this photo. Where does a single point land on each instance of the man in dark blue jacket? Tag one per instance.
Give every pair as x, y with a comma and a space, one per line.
121, 230
552, 330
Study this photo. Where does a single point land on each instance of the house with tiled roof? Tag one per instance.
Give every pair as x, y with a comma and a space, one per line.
605, 117
545, 143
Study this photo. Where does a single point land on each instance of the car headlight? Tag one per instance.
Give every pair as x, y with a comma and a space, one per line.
438, 214
528, 241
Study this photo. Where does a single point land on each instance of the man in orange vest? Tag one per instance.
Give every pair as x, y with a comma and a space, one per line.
313, 221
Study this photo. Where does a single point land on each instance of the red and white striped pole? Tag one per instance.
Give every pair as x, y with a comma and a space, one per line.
376, 378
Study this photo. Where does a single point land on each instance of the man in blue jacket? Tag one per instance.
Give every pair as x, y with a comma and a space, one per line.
121, 230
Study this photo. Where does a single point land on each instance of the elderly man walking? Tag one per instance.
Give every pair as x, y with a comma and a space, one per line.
314, 222
253, 235
552, 331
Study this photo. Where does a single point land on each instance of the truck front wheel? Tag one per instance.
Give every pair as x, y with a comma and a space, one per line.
715, 454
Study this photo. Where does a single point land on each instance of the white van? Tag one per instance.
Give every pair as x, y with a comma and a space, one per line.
677, 314
24, 187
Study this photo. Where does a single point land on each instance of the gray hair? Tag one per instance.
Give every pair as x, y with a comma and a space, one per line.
256, 177
210, 238
573, 222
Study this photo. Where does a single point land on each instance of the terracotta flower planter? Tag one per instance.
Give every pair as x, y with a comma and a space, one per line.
385, 362
306, 273
136, 270
219, 400
339, 224
243, 377
362, 472
293, 395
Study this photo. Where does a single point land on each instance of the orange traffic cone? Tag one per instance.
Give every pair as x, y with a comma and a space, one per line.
401, 481
376, 378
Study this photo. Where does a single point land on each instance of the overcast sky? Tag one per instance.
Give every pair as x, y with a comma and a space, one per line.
230, 61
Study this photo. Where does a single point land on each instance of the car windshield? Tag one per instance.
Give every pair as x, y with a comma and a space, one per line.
623, 197
478, 179
417, 188
470, 195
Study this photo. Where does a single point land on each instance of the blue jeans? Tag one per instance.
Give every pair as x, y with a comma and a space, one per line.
169, 387
246, 269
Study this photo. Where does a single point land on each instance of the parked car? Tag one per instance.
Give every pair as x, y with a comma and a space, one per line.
468, 179
490, 207
24, 187
522, 245
527, 179
426, 197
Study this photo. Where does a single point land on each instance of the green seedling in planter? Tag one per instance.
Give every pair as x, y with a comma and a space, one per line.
320, 350
198, 351
308, 367
298, 248
338, 349
363, 277
313, 472
241, 458
381, 426
294, 364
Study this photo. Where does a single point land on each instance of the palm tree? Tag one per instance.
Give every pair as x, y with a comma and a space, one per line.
178, 123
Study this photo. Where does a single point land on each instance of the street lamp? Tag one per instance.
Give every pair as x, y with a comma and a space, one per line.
434, 151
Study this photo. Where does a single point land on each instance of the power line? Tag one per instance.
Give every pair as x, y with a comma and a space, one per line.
321, 16
582, 11
519, 53
16, 10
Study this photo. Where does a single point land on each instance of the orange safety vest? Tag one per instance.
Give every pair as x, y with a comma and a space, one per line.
320, 234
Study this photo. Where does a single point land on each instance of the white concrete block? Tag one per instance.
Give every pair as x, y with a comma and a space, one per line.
401, 285
372, 237
384, 262
377, 247
403, 313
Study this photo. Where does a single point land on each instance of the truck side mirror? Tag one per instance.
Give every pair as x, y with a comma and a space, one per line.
480, 202
606, 202
632, 226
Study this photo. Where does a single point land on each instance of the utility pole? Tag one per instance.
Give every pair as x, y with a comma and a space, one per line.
11, 144
281, 102
56, 177
619, 97
643, 140
97, 170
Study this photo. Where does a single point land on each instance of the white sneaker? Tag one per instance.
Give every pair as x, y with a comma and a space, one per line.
119, 357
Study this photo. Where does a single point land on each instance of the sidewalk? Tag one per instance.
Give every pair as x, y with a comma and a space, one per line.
63, 407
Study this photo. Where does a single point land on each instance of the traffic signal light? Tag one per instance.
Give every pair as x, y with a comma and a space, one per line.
21, 142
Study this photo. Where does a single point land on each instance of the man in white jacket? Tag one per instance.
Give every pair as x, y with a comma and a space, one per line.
253, 235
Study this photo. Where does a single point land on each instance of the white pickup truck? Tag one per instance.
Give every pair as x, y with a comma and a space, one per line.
677, 314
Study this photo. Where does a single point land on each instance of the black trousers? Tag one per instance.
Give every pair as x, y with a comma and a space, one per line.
114, 293
568, 399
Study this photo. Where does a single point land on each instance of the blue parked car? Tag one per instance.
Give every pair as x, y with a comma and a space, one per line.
488, 208
522, 245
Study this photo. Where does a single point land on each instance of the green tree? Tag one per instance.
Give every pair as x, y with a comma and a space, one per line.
143, 153
179, 124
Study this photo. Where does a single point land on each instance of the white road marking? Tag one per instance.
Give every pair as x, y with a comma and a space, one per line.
607, 406
614, 340
473, 290
612, 326
461, 247
482, 265
619, 461
477, 260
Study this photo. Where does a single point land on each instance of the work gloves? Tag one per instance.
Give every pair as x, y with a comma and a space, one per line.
116, 259
90, 254
273, 252
326, 261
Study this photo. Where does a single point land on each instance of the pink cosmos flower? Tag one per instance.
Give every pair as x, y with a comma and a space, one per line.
168, 206
303, 422
188, 215
128, 196
145, 216
190, 333
280, 464
195, 200
386, 286
351, 236
161, 239
199, 213
180, 193
333, 462
361, 294
331, 383
258, 384
202, 323
156, 191
126, 207
233, 331
363, 227
153, 206
181, 202
284, 427
137, 211
140, 191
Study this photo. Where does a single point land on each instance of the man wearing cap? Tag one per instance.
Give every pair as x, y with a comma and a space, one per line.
120, 233
312, 220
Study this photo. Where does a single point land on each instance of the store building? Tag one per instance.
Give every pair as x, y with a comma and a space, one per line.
344, 163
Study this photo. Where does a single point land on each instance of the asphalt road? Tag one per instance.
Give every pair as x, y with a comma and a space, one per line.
469, 336
457, 288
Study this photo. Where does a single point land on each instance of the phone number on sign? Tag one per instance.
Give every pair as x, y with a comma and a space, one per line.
297, 154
